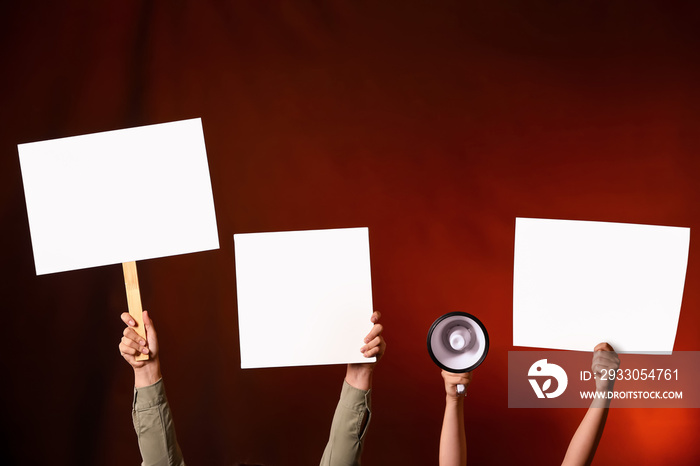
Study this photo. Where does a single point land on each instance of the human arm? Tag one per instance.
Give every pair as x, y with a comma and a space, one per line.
353, 412
585, 441
151, 414
453, 440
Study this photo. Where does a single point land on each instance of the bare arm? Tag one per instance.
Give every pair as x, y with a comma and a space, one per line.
453, 440
585, 441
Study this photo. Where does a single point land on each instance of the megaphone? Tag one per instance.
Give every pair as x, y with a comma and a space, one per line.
458, 343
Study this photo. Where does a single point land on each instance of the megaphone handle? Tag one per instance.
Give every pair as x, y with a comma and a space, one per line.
460, 389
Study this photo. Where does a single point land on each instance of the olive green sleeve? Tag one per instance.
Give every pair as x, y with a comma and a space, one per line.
154, 427
352, 416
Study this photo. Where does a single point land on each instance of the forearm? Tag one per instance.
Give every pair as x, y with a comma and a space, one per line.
359, 376
585, 441
147, 375
348, 428
154, 427
453, 441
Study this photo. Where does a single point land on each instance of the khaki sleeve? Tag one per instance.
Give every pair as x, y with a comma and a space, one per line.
154, 427
352, 416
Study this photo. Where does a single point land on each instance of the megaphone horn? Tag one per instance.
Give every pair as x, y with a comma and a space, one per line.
458, 343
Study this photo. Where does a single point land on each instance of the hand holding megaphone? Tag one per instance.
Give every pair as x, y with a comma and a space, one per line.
458, 343
455, 384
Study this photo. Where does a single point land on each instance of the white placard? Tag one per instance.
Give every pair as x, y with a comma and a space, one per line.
304, 297
118, 196
579, 283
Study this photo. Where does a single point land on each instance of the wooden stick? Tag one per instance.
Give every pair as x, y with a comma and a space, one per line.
133, 297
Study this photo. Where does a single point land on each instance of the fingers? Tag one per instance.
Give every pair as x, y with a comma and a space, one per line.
371, 347
374, 348
130, 334
131, 343
127, 352
134, 341
150, 329
374, 342
147, 322
452, 380
377, 330
131, 348
603, 352
465, 379
138, 339
604, 358
127, 319
603, 347
605, 361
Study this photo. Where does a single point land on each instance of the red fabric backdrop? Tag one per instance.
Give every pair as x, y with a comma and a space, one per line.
435, 124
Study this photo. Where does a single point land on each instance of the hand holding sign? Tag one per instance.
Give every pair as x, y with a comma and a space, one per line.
360, 375
133, 346
604, 367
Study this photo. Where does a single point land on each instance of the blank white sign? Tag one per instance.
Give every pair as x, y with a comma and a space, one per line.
304, 297
578, 283
118, 196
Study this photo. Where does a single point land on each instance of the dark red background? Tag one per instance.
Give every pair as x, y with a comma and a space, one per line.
435, 124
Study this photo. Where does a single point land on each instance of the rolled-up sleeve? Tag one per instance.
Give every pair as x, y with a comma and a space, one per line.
154, 427
350, 422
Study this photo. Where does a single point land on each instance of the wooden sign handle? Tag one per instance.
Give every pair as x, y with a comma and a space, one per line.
133, 297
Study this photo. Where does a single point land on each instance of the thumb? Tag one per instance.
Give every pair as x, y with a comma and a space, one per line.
148, 325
